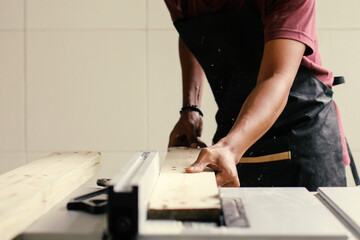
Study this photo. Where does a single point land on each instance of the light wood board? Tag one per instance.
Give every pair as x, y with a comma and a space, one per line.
28, 192
184, 196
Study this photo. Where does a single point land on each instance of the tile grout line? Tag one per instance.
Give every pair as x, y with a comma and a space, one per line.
337, 29
147, 74
11, 30
25, 87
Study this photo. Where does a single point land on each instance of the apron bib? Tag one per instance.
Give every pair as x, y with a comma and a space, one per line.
303, 147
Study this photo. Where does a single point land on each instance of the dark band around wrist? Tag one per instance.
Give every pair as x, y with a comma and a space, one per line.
192, 108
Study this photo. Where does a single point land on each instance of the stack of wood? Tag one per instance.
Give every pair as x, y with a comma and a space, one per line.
29, 191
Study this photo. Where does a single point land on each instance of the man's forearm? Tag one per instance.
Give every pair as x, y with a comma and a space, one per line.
188, 129
259, 112
264, 105
192, 76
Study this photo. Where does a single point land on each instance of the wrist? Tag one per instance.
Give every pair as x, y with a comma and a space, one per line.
232, 146
193, 108
190, 116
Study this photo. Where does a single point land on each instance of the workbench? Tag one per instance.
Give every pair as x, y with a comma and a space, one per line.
271, 213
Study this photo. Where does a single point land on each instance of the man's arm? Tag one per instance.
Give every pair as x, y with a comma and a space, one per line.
187, 131
262, 107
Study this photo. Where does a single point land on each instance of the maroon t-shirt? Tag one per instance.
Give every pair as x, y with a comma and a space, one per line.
281, 19
288, 19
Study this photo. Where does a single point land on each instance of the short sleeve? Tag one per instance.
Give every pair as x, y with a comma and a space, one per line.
174, 7
292, 20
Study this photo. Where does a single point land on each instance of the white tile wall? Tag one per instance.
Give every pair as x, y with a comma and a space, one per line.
164, 86
11, 14
9, 161
86, 14
104, 75
334, 14
158, 16
86, 90
12, 91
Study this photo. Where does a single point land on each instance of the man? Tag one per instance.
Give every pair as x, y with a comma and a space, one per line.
276, 112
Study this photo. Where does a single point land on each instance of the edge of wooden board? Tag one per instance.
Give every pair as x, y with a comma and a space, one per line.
37, 207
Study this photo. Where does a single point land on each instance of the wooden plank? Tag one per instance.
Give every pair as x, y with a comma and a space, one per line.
184, 196
30, 191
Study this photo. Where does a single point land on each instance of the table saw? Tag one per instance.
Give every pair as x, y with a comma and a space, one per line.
246, 213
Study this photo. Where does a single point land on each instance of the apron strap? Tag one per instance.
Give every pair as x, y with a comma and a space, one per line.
338, 80
353, 166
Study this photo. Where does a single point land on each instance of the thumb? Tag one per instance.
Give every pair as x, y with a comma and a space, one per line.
198, 143
197, 167
194, 145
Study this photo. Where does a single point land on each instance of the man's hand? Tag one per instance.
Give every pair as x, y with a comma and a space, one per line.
187, 131
223, 160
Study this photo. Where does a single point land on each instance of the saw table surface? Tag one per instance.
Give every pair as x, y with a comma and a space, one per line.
271, 213
345, 202
61, 224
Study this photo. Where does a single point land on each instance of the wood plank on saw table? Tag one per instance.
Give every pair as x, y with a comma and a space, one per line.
184, 196
29, 191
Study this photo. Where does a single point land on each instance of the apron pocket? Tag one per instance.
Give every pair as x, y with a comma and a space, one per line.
266, 174
267, 164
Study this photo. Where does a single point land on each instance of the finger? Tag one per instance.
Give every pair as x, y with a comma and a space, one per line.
200, 143
194, 145
199, 165
196, 167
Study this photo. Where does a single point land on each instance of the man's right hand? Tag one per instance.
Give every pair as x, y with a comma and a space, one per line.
187, 131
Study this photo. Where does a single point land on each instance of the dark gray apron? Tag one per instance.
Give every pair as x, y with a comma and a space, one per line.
229, 47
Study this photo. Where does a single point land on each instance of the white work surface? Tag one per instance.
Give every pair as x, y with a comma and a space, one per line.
61, 224
288, 213
273, 213
346, 202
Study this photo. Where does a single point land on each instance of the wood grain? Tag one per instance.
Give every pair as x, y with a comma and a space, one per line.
184, 196
30, 191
